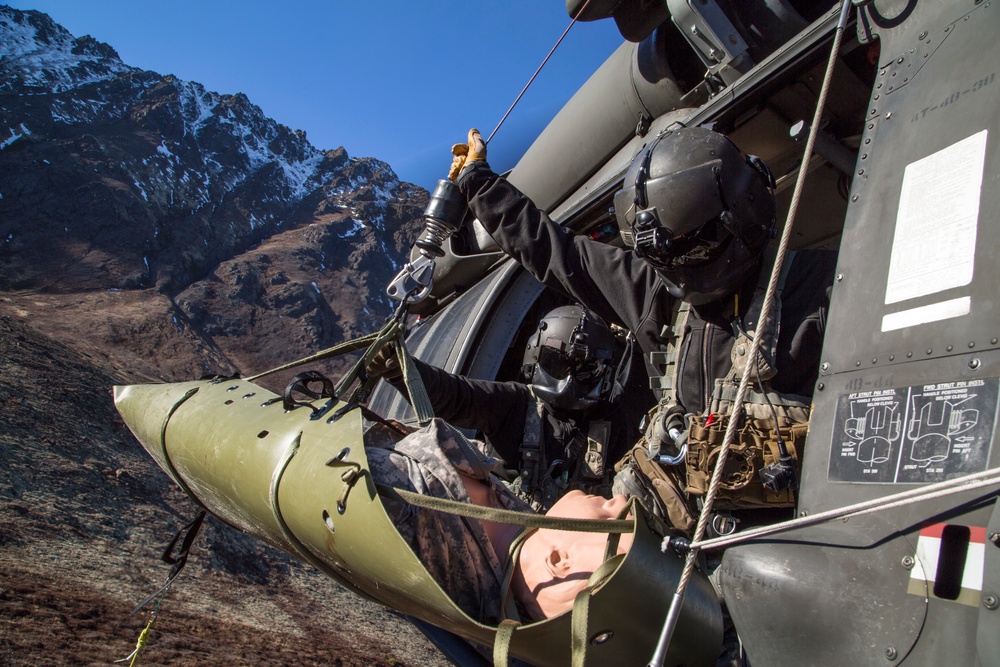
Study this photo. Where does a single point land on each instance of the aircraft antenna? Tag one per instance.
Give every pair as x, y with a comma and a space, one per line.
525, 89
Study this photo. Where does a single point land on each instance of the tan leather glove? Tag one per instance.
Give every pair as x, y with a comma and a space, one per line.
473, 151
385, 364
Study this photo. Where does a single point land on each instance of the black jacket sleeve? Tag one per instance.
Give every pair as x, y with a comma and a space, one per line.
609, 280
497, 409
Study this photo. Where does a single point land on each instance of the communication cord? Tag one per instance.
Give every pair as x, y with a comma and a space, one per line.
670, 623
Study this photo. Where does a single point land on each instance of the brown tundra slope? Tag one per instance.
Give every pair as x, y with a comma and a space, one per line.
152, 230
84, 517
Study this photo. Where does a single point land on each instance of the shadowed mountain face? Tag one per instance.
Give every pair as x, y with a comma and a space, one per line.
188, 231
153, 230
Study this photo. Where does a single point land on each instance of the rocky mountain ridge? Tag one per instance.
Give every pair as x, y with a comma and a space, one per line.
153, 230
117, 182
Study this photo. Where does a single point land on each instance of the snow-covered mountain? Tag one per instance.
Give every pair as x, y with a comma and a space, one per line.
177, 224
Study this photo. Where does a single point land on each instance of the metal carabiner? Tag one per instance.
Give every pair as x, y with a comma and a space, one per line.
413, 282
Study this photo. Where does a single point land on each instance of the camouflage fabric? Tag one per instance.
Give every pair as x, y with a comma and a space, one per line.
455, 550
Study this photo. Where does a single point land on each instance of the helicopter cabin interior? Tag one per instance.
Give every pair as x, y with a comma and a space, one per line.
483, 306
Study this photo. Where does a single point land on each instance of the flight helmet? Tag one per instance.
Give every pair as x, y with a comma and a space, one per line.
699, 211
569, 359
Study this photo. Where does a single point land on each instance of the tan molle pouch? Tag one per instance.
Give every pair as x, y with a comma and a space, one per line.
754, 447
659, 487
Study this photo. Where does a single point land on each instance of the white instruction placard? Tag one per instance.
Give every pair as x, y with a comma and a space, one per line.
934, 245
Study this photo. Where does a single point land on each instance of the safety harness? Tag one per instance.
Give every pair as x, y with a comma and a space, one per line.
586, 458
671, 465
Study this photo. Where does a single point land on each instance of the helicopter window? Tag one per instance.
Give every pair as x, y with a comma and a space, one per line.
951, 561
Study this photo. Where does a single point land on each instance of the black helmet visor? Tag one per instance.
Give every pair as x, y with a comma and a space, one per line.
684, 200
559, 365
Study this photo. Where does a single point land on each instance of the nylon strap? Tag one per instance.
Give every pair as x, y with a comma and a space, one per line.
501, 645
414, 384
509, 517
672, 336
513, 553
335, 351
532, 455
392, 333
581, 609
189, 532
579, 626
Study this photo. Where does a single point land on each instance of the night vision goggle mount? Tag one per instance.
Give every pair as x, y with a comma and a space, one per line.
579, 348
652, 241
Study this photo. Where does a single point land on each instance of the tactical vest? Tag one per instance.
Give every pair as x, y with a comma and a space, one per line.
674, 481
592, 474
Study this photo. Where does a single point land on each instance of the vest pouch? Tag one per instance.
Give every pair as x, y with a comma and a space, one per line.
754, 447
658, 487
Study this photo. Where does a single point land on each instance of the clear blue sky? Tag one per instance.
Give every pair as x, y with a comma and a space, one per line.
397, 80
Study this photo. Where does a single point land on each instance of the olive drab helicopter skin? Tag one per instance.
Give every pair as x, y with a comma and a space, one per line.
902, 180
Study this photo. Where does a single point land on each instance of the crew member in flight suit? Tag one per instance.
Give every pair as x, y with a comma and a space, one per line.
696, 215
560, 428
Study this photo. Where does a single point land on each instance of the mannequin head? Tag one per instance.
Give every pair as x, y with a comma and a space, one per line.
555, 565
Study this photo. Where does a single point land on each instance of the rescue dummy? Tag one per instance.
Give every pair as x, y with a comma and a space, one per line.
512, 577
314, 481
558, 430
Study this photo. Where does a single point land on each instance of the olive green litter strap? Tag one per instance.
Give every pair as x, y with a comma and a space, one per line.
580, 621
581, 609
172, 471
419, 399
335, 351
391, 334
511, 517
513, 553
501, 645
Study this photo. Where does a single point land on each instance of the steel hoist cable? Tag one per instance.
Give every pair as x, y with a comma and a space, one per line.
673, 615
532, 79
944, 489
